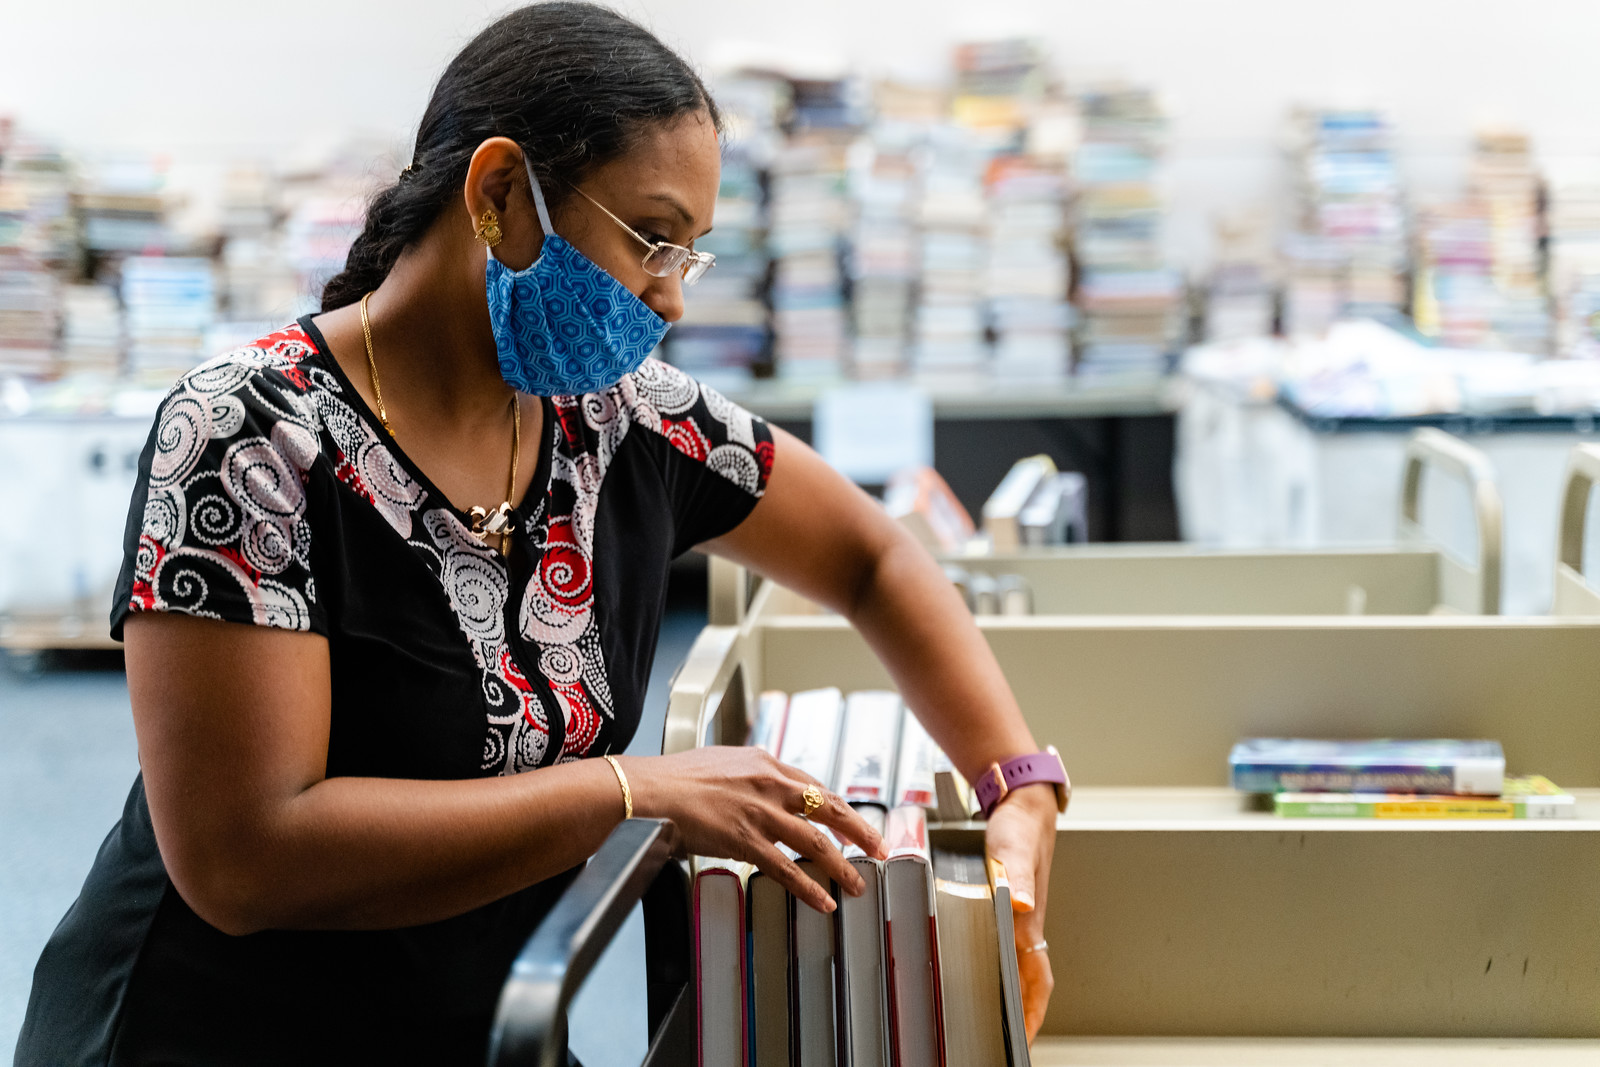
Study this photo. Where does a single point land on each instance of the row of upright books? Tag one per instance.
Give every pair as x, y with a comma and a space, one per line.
1393, 779
919, 969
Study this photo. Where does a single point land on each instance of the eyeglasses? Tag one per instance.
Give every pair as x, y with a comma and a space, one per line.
662, 258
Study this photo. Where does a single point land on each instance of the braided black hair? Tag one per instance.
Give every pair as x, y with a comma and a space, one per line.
573, 83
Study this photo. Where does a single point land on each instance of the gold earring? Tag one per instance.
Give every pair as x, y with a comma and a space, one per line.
489, 228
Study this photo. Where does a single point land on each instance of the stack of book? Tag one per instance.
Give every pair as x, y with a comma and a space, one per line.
1573, 272
1131, 304
257, 283
91, 334
951, 344
724, 334
1479, 282
999, 83
919, 969
1026, 276
29, 295
1348, 253
41, 176
170, 303
883, 235
1241, 296
317, 236
1505, 179
808, 216
1393, 779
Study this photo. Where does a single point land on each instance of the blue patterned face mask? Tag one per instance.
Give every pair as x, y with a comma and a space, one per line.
564, 326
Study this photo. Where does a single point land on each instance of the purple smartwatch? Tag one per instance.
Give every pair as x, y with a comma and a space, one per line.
1001, 778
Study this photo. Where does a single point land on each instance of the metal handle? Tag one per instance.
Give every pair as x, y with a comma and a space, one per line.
635, 864
1583, 472
709, 683
1451, 454
728, 592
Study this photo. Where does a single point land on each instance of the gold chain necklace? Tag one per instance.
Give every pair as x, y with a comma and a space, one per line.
485, 523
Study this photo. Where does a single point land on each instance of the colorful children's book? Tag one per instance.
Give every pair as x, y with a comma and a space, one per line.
1297, 765
1528, 797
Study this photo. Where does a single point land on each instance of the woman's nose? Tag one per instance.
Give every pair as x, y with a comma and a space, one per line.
664, 296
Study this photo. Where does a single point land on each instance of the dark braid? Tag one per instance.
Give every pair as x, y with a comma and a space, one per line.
574, 84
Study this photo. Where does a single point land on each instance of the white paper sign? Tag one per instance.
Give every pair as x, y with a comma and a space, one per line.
869, 430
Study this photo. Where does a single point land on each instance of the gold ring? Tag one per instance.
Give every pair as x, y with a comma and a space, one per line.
814, 800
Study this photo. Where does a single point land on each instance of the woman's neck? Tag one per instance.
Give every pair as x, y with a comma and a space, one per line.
432, 342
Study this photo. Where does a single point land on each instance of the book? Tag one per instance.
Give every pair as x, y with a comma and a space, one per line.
862, 952
719, 964
766, 733
1010, 978
921, 501
971, 1009
953, 796
914, 765
814, 977
867, 747
1293, 765
1003, 510
811, 733
1058, 511
1528, 797
768, 906
913, 939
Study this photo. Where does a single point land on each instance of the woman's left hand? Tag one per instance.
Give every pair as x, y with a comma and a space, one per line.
1022, 836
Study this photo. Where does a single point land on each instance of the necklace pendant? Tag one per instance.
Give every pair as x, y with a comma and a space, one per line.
497, 523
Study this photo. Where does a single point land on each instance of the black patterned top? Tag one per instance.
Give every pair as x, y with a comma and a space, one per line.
269, 494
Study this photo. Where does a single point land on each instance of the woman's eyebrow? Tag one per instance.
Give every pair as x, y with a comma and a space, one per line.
678, 208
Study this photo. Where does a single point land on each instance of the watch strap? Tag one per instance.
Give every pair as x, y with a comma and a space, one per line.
1001, 778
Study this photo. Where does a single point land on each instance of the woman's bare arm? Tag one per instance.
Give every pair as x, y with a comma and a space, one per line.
819, 535
824, 538
233, 722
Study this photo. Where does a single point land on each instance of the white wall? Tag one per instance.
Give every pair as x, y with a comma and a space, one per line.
213, 79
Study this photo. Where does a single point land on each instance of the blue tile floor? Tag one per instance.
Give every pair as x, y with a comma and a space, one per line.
67, 758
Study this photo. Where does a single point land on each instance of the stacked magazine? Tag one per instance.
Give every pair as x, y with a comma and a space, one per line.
921, 968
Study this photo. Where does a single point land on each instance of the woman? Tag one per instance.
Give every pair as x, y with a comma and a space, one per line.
393, 579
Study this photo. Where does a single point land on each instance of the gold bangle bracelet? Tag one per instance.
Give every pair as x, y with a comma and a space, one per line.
622, 780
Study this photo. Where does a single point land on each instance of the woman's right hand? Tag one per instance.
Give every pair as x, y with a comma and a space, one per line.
735, 802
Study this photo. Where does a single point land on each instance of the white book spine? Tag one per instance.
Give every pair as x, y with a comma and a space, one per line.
811, 734
914, 782
772, 709
867, 747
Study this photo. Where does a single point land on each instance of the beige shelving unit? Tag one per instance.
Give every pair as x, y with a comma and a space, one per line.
1188, 928
1413, 576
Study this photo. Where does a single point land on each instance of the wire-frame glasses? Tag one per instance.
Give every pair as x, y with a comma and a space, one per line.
662, 257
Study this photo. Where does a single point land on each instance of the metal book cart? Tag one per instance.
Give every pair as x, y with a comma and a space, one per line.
1413, 576
1185, 927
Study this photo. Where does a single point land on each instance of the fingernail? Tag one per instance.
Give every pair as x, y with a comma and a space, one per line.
858, 886
830, 905
883, 851
1021, 901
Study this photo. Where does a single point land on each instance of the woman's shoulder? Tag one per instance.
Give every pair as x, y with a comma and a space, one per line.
696, 421
275, 362
262, 392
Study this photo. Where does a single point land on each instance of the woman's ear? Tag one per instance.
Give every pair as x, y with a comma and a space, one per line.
496, 170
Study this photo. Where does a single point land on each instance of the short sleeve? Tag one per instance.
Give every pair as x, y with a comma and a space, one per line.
719, 456
218, 525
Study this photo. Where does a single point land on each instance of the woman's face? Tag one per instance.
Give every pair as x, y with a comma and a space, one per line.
665, 189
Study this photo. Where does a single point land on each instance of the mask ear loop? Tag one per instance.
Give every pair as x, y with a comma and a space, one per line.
538, 200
